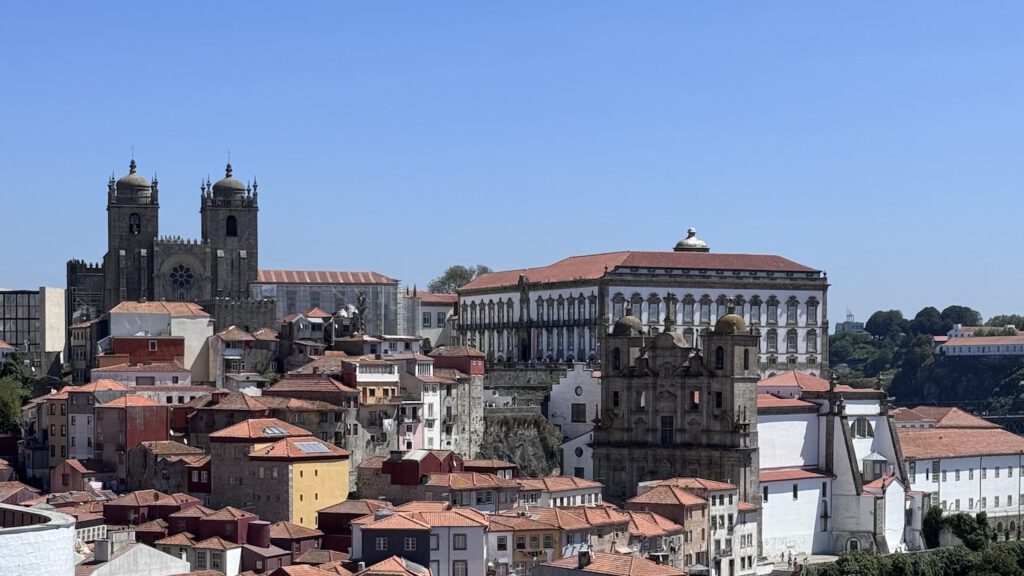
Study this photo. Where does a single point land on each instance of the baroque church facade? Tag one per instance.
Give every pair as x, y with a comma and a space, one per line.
142, 265
669, 409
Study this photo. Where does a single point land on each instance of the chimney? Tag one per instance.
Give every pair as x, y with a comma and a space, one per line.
361, 566
101, 550
259, 533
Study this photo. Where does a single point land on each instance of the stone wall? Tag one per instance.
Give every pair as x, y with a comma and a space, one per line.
526, 384
526, 439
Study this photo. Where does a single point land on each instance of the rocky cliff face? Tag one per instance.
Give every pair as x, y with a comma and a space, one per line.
529, 440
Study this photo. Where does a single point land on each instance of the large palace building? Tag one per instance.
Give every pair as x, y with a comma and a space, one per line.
560, 311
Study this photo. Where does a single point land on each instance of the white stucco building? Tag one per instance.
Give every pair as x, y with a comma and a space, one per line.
435, 312
36, 542
964, 464
560, 311
183, 319
572, 406
831, 474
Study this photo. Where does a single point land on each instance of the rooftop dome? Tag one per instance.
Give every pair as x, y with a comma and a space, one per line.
691, 243
228, 186
628, 325
133, 184
731, 324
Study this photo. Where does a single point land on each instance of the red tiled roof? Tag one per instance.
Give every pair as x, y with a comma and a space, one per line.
154, 367
594, 266
230, 513
362, 506
312, 383
424, 506
456, 352
288, 531
780, 474
668, 495
769, 401
235, 334
651, 525
299, 448
266, 334
193, 512
300, 570
102, 385
162, 447
431, 298
322, 277
487, 463
931, 443
557, 483
216, 543
144, 498
454, 518
690, 483
395, 566
337, 567
806, 383
879, 485
130, 400
985, 341
945, 417
512, 521
179, 539
607, 564
174, 309
393, 521
316, 312
259, 428
89, 465
469, 481
11, 487
373, 462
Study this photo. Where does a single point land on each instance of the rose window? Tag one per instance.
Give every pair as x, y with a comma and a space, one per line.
181, 276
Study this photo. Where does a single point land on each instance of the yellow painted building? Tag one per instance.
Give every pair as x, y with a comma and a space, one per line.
55, 423
296, 477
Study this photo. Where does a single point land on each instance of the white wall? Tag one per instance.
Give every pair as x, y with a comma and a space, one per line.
895, 516
787, 440
129, 377
1007, 486
578, 386
585, 460
197, 332
38, 550
54, 330
81, 431
793, 526
475, 553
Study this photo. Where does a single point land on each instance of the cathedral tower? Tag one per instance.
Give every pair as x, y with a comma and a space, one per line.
229, 212
133, 208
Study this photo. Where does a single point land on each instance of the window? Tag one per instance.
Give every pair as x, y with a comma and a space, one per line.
795, 491
460, 568
459, 541
791, 340
935, 471
502, 543
694, 399
579, 413
520, 543
548, 541
956, 475
812, 341
409, 544
791, 311
773, 340
615, 398
231, 226
718, 400
153, 345
434, 544
381, 544
719, 358
667, 431
812, 311
705, 311
862, 428
773, 311
534, 542
426, 319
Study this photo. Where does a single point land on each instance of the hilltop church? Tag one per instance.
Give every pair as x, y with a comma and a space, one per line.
215, 270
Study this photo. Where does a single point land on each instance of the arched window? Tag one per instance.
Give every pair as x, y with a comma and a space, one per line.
746, 358
616, 359
231, 226
862, 428
852, 545
719, 358
134, 224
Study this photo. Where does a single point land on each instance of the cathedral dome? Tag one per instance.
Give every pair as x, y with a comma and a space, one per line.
691, 243
628, 325
731, 324
133, 184
229, 186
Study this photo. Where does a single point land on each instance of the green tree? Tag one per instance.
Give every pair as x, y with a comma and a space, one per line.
929, 321
12, 395
931, 526
456, 277
973, 531
1004, 320
883, 324
13, 367
961, 315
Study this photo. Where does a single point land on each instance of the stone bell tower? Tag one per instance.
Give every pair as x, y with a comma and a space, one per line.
133, 207
230, 228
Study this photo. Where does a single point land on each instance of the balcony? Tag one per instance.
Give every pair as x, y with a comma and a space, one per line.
723, 552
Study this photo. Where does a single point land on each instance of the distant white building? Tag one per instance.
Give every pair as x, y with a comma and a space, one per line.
964, 464
435, 312
830, 470
983, 346
183, 319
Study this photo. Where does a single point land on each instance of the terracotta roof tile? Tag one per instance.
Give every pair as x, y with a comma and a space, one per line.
337, 567
300, 570
230, 513
668, 495
945, 417
557, 483
362, 506
174, 309
617, 565
153, 367
162, 447
101, 385
321, 556
931, 443
780, 474
143, 498
392, 521
395, 566
299, 448
690, 483
310, 383
235, 334
216, 543
179, 539
259, 429
321, 277
193, 512
424, 506
89, 465
651, 525
288, 531
469, 481
768, 401
431, 298
985, 341
128, 401
594, 266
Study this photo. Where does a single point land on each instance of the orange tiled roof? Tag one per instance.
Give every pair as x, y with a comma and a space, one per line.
128, 401
321, 277
216, 543
143, 498
193, 512
259, 429
557, 483
174, 309
179, 539
337, 567
302, 570
235, 334
392, 521
985, 341
288, 531
594, 266
153, 367
311, 383
697, 483
668, 495
230, 513
769, 401
511, 521
299, 448
101, 385
362, 506
488, 463
946, 417
469, 481
424, 506
431, 298
89, 465
780, 474
931, 443
455, 518
395, 566
806, 383
651, 525
617, 565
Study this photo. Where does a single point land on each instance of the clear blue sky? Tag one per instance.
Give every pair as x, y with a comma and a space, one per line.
881, 142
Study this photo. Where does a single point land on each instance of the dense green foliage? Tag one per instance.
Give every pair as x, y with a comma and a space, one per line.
897, 353
13, 393
456, 277
995, 559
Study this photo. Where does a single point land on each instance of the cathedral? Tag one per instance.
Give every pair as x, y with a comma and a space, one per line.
142, 265
668, 410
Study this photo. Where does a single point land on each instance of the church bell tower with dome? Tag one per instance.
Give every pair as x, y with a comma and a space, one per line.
133, 207
230, 227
